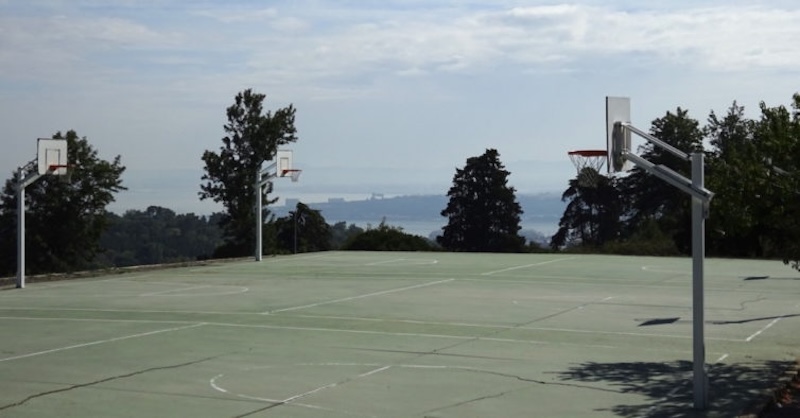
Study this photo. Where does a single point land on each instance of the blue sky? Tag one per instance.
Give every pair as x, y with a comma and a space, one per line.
391, 96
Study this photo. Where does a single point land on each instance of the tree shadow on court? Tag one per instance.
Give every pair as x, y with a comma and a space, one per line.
668, 386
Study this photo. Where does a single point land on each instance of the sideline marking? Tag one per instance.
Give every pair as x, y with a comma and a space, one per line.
489, 273
383, 292
385, 262
407, 262
766, 327
400, 334
110, 340
221, 292
175, 290
722, 358
334, 384
291, 400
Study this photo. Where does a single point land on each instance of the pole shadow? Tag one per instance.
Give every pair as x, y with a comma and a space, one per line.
733, 388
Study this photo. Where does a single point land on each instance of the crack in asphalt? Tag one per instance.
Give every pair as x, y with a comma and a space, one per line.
97, 382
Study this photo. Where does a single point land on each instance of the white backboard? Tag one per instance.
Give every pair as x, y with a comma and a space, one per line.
52, 152
283, 162
618, 109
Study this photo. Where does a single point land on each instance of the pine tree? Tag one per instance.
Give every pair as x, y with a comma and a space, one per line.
483, 212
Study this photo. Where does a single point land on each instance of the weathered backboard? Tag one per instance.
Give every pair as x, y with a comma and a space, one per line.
618, 109
283, 162
52, 152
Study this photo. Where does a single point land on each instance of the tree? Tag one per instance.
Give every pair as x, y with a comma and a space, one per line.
342, 233
651, 197
303, 230
736, 173
592, 216
777, 135
65, 216
483, 213
387, 238
252, 137
157, 235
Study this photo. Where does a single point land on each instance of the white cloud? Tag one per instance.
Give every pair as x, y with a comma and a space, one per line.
226, 15
382, 77
554, 38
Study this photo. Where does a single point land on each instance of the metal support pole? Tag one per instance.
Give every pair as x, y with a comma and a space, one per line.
20, 229
259, 214
699, 213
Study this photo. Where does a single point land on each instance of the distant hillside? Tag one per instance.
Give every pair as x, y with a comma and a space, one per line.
538, 209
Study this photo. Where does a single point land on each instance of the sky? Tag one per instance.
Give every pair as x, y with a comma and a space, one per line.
391, 96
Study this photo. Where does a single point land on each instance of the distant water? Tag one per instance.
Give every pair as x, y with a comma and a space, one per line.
424, 228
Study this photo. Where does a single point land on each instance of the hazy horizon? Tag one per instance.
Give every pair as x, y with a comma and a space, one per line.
391, 96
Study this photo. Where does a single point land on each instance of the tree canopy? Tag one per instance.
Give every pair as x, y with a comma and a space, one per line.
65, 215
303, 230
252, 137
483, 212
751, 166
387, 238
158, 235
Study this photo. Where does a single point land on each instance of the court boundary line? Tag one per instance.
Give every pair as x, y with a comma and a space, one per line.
352, 331
159, 293
334, 317
91, 343
764, 328
382, 292
557, 260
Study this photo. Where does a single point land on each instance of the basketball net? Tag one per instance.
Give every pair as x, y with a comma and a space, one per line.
293, 174
589, 164
63, 171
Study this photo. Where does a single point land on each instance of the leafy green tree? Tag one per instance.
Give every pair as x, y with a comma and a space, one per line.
653, 199
777, 135
736, 172
158, 235
341, 233
252, 137
65, 215
387, 238
483, 212
303, 230
592, 216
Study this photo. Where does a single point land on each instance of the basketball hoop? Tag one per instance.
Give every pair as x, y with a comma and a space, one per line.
62, 170
588, 163
292, 173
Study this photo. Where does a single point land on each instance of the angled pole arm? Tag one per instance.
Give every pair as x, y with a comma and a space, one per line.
657, 142
671, 177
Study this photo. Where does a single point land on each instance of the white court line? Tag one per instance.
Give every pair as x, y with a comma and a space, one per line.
175, 290
424, 335
132, 311
126, 337
766, 327
722, 358
397, 334
333, 385
383, 292
489, 273
140, 321
384, 262
295, 258
354, 318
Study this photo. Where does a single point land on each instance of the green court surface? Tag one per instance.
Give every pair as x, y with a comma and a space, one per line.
368, 334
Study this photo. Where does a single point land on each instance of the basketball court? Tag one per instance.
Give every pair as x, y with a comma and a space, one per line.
361, 334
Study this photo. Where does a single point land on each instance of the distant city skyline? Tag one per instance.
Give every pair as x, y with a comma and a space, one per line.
391, 96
